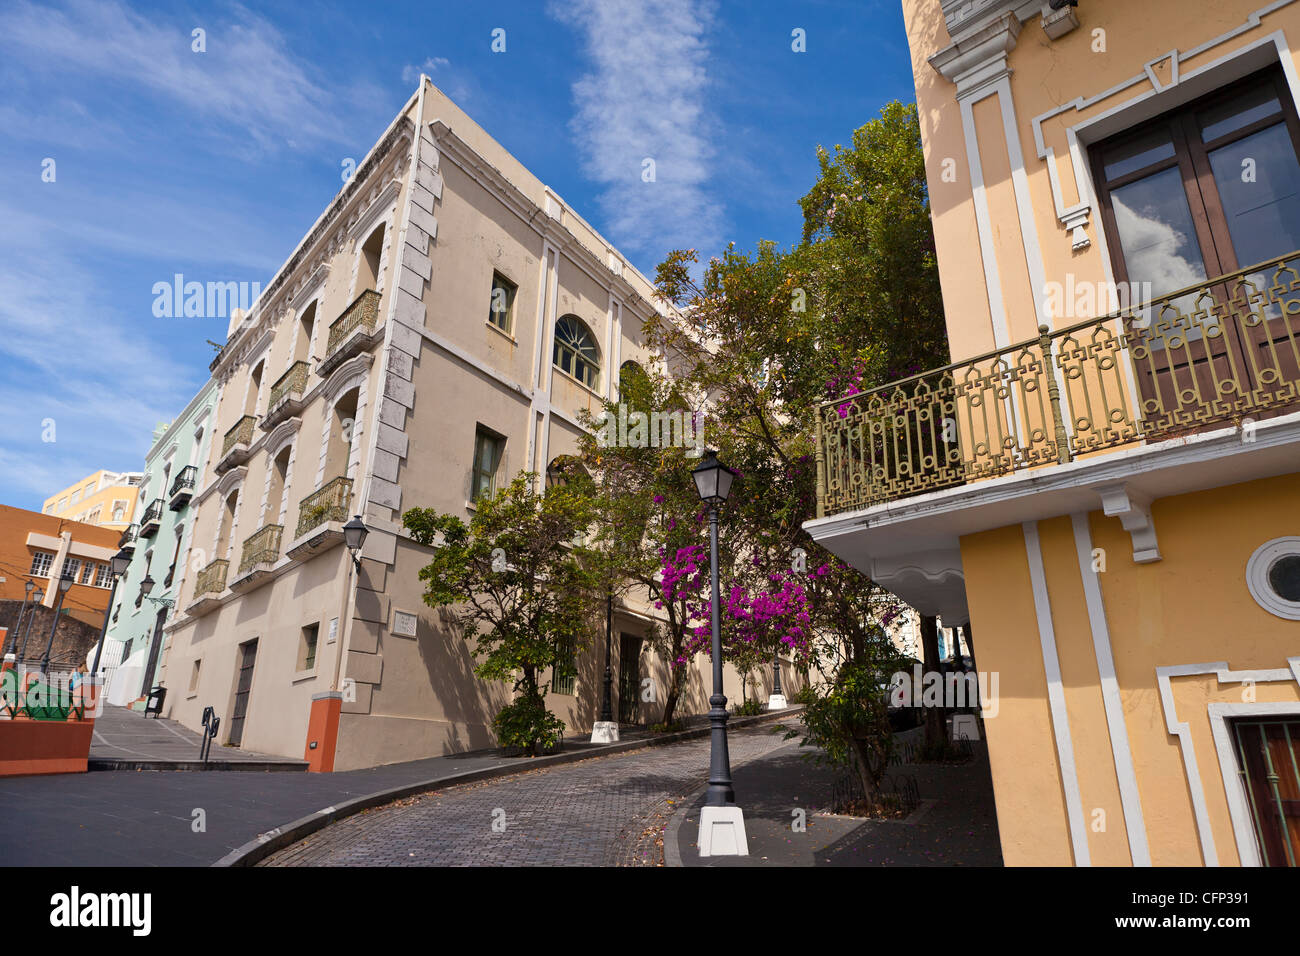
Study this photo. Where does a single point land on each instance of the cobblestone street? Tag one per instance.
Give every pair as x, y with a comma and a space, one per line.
602, 811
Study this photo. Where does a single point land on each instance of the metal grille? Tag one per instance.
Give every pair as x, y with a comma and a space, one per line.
1219, 352
362, 313
212, 579
291, 382
261, 547
327, 503
240, 434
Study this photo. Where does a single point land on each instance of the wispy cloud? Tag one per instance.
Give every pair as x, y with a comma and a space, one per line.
430, 67
246, 77
645, 97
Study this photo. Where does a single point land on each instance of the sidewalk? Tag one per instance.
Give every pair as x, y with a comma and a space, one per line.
125, 739
955, 824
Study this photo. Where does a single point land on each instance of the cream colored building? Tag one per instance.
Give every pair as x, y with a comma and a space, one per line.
371, 376
105, 498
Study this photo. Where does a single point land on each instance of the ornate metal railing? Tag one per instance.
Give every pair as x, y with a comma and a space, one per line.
1225, 351
128, 536
363, 312
327, 503
241, 433
292, 382
212, 579
152, 514
261, 547
184, 480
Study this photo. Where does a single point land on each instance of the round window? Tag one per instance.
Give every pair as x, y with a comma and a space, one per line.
1273, 576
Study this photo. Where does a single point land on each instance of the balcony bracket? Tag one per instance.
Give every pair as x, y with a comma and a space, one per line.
1133, 508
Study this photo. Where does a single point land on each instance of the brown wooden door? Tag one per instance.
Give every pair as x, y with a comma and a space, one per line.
243, 685
1268, 752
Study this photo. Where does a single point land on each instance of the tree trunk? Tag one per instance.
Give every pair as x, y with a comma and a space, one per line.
934, 716
674, 694
870, 790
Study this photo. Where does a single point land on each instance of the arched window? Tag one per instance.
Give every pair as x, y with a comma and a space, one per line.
575, 351
563, 470
631, 376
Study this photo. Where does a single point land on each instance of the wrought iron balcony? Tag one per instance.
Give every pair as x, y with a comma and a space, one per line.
127, 541
352, 332
262, 547
182, 489
325, 504
286, 395
1215, 354
235, 446
212, 579
152, 519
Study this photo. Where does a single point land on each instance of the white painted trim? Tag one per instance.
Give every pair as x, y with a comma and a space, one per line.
1130, 799
1257, 569
1243, 829
983, 227
1247, 848
1056, 697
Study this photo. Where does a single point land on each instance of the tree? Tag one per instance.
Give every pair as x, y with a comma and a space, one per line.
516, 585
769, 337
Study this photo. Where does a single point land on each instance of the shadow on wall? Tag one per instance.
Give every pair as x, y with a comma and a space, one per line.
466, 700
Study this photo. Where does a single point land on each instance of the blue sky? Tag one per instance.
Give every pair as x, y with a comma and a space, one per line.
215, 164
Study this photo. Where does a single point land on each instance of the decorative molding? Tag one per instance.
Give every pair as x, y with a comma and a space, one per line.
1247, 847
1133, 508
1056, 696
1125, 772
1075, 218
1257, 570
1057, 23
979, 58
342, 378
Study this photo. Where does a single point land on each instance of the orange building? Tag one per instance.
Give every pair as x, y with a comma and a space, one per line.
39, 548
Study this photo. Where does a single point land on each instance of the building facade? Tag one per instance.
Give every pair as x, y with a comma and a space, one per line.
41, 549
160, 547
436, 332
105, 498
1105, 482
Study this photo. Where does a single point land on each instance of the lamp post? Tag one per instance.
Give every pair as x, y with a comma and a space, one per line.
605, 730
36, 599
28, 587
146, 586
65, 582
118, 566
722, 825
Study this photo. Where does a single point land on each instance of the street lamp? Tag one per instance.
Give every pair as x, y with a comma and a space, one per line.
722, 825
65, 582
28, 586
36, 599
354, 536
146, 586
118, 566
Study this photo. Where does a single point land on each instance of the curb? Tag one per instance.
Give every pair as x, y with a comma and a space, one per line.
264, 844
110, 764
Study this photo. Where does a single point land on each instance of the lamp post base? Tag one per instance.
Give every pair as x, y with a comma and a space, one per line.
604, 732
777, 702
722, 832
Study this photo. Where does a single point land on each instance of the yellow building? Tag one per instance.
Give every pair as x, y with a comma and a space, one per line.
1105, 484
104, 498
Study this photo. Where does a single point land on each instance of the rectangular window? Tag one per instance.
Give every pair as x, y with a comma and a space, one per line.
564, 675
1203, 191
63, 503
103, 576
41, 562
487, 458
307, 647
501, 312
1268, 755
87, 573
76, 496
194, 676
72, 568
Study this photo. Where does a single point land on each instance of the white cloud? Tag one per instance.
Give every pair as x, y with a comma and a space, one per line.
430, 67
645, 97
247, 78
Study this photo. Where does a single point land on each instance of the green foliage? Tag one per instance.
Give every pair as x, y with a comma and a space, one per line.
513, 580
526, 723
749, 707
